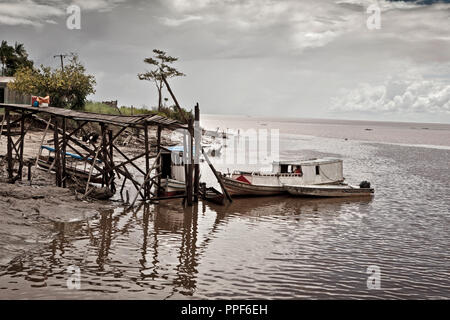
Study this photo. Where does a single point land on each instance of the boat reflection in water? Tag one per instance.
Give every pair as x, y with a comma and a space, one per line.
156, 251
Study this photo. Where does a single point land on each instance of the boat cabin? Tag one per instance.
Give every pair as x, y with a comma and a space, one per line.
172, 164
317, 170
311, 171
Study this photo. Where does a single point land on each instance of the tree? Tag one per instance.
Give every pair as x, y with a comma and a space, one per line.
160, 61
13, 58
67, 89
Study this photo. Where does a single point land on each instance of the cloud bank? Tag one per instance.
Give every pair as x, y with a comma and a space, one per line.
396, 96
308, 58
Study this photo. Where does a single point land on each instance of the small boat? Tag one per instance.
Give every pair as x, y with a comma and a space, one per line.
76, 166
303, 172
329, 190
172, 171
211, 194
236, 187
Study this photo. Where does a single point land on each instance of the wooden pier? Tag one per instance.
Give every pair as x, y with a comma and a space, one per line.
101, 155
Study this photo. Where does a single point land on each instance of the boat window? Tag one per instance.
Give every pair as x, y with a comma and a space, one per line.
283, 169
317, 170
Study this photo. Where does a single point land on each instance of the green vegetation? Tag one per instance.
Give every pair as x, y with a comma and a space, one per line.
13, 58
161, 63
67, 88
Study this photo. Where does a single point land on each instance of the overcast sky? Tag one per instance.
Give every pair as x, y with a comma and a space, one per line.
295, 58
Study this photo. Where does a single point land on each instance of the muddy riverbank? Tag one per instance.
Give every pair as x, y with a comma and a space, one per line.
31, 215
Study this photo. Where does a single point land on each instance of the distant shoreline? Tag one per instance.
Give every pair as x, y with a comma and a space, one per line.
318, 120
429, 135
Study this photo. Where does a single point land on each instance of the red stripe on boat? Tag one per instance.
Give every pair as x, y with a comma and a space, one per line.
241, 178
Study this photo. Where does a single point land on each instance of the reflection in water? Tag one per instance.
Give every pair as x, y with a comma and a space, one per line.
278, 247
152, 248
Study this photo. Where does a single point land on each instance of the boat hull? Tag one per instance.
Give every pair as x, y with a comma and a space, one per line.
172, 187
79, 174
212, 195
238, 188
329, 191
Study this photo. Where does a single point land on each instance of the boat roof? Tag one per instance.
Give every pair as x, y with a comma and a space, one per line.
305, 162
75, 156
177, 148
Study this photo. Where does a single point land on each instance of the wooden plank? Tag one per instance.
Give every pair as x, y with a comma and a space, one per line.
92, 168
174, 98
147, 176
124, 155
39, 150
219, 179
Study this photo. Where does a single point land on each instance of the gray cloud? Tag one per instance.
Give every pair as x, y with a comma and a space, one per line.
248, 56
409, 94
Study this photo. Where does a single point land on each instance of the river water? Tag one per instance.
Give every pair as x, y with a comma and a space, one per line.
274, 247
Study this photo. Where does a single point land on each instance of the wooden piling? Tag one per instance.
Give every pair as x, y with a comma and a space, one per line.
57, 152
22, 140
158, 170
63, 153
190, 165
147, 161
218, 177
9, 144
111, 158
198, 142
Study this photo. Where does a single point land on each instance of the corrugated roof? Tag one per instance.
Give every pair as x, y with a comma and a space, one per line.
137, 120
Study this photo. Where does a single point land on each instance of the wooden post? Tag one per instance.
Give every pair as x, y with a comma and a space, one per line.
29, 170
174, 98
39, 150
111, 154
198, 142
92, 168
146, 178
219, 178
22, 141
158, 169
1, 127
104, 156
147, 161
64, 148
57, 152
9, 144
190, 165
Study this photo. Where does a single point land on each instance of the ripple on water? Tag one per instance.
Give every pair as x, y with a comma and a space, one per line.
264, 247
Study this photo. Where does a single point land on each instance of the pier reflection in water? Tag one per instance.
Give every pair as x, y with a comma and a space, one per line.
165, 251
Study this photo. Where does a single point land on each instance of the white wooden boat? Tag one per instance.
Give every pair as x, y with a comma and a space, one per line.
328, 190
172, 171
239, 188
303, 172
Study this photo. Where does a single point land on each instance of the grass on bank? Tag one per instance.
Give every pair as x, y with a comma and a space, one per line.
169, 112
98, 107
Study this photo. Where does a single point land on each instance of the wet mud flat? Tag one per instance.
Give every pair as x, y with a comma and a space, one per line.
30, 215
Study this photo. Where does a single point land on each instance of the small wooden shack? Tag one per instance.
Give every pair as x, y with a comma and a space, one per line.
10, 96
